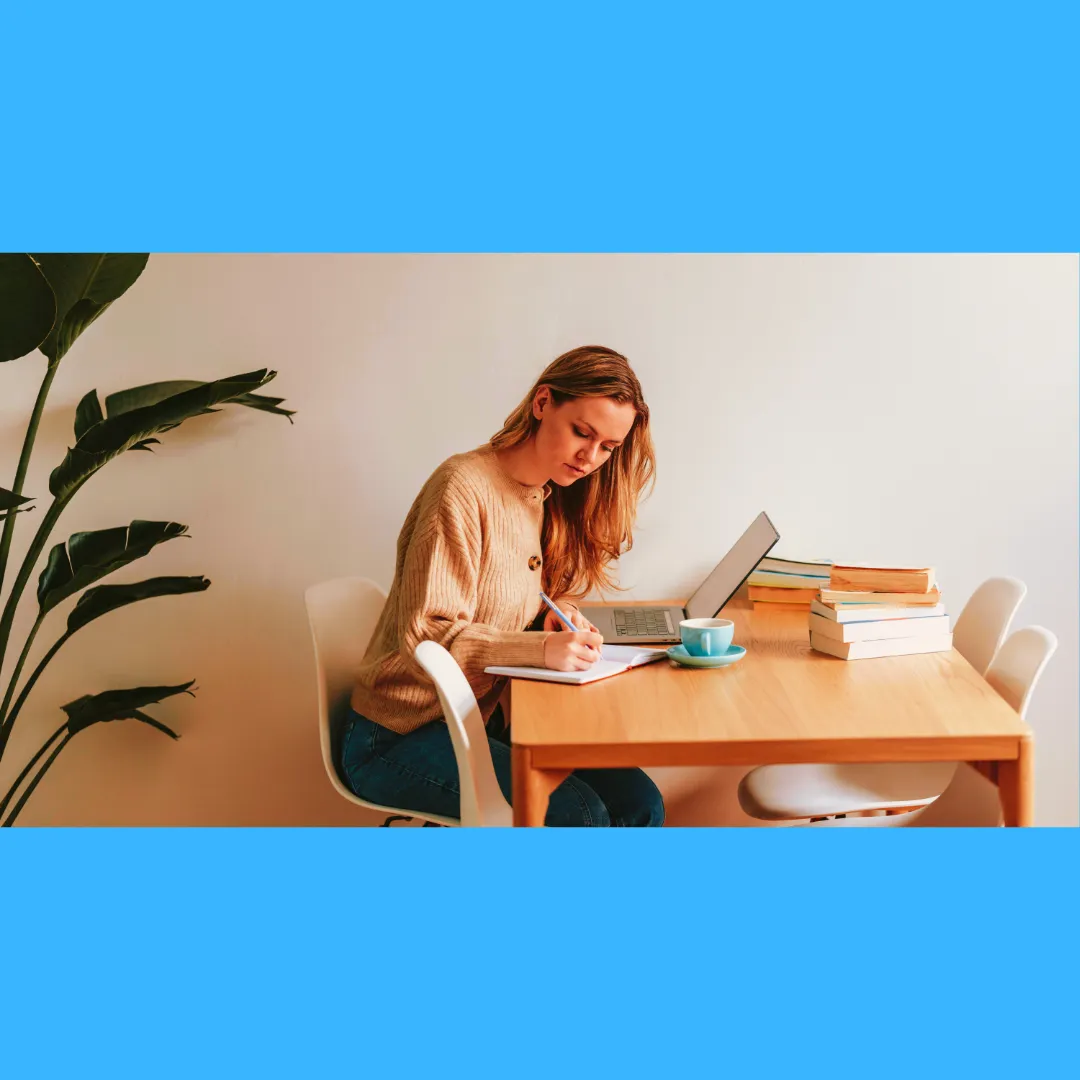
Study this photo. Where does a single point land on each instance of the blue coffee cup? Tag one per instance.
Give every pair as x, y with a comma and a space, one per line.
706, 637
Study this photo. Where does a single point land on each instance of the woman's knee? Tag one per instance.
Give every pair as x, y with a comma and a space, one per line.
652, 813
574, 804
631, 797
637, 802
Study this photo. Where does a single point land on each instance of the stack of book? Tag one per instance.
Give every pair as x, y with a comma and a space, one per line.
879, 611
787, 584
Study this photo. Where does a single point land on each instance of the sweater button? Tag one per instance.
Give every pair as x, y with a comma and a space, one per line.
534, 562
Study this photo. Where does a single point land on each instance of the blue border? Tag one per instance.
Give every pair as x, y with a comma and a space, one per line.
325, 127
561, 127
414, 952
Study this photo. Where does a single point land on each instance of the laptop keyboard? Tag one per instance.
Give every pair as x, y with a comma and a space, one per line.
642, 622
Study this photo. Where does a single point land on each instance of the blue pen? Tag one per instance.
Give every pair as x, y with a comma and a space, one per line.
561, 617
558, 614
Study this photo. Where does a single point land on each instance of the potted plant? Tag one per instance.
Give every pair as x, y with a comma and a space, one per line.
46, 302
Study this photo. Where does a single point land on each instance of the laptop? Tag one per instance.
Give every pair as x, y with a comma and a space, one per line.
632, 625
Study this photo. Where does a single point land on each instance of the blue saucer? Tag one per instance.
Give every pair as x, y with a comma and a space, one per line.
679, 654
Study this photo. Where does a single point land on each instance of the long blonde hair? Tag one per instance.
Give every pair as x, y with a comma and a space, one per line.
590, 523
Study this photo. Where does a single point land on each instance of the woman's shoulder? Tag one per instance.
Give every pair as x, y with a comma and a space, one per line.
463, 477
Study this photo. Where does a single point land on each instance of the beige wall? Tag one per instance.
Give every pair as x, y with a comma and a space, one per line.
879, 407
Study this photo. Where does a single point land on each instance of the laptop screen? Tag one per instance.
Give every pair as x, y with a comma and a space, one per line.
734, 568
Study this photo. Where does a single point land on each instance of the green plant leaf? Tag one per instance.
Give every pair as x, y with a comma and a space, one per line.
27, 306
139, 397
265, 404
105, 598
115, 434
87, 414
10, 503
82, 713
84, 286
121, 705
9, 500
92, 604
78, 318
89, 556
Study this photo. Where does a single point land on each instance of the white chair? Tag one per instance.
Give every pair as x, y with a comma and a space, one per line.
971, 800
774, 791
1019, 665
343, 614
984, 623
786, 792
482, 800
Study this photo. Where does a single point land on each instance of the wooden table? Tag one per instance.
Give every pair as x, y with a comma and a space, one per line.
782, 703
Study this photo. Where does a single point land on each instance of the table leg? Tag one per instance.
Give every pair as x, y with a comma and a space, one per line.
532, 787
1016, 786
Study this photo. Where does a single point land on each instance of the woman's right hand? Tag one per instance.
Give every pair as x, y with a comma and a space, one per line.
572, 652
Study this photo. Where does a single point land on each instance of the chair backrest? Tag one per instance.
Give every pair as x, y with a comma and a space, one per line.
1019, 664
971, 799
482, 800
982, 625
343, 614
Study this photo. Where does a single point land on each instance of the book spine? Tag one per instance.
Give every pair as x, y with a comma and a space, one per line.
782, 566
785, 581
766, 594
870, 581
878, 630
868, 650
871, 612
845, 596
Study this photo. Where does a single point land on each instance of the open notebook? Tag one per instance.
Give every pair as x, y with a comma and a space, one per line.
616, 659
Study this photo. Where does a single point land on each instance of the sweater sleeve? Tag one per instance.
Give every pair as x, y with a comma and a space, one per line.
440, 584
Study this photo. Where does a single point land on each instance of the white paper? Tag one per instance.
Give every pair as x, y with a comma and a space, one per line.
615, 660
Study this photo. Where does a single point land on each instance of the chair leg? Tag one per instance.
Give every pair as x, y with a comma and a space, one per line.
395, 817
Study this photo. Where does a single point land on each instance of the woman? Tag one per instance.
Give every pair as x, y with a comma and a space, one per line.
547, 504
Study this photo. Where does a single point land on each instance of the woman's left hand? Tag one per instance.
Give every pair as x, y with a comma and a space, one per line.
571, 611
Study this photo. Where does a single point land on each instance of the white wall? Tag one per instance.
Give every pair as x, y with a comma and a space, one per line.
917, 408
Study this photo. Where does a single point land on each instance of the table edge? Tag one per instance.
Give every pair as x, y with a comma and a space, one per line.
905, 748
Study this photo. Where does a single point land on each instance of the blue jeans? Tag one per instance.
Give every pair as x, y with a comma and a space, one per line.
419, 772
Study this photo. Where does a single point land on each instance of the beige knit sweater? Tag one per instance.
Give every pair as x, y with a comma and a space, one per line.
467, 576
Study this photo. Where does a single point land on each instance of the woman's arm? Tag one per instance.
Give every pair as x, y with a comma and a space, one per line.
439, 586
